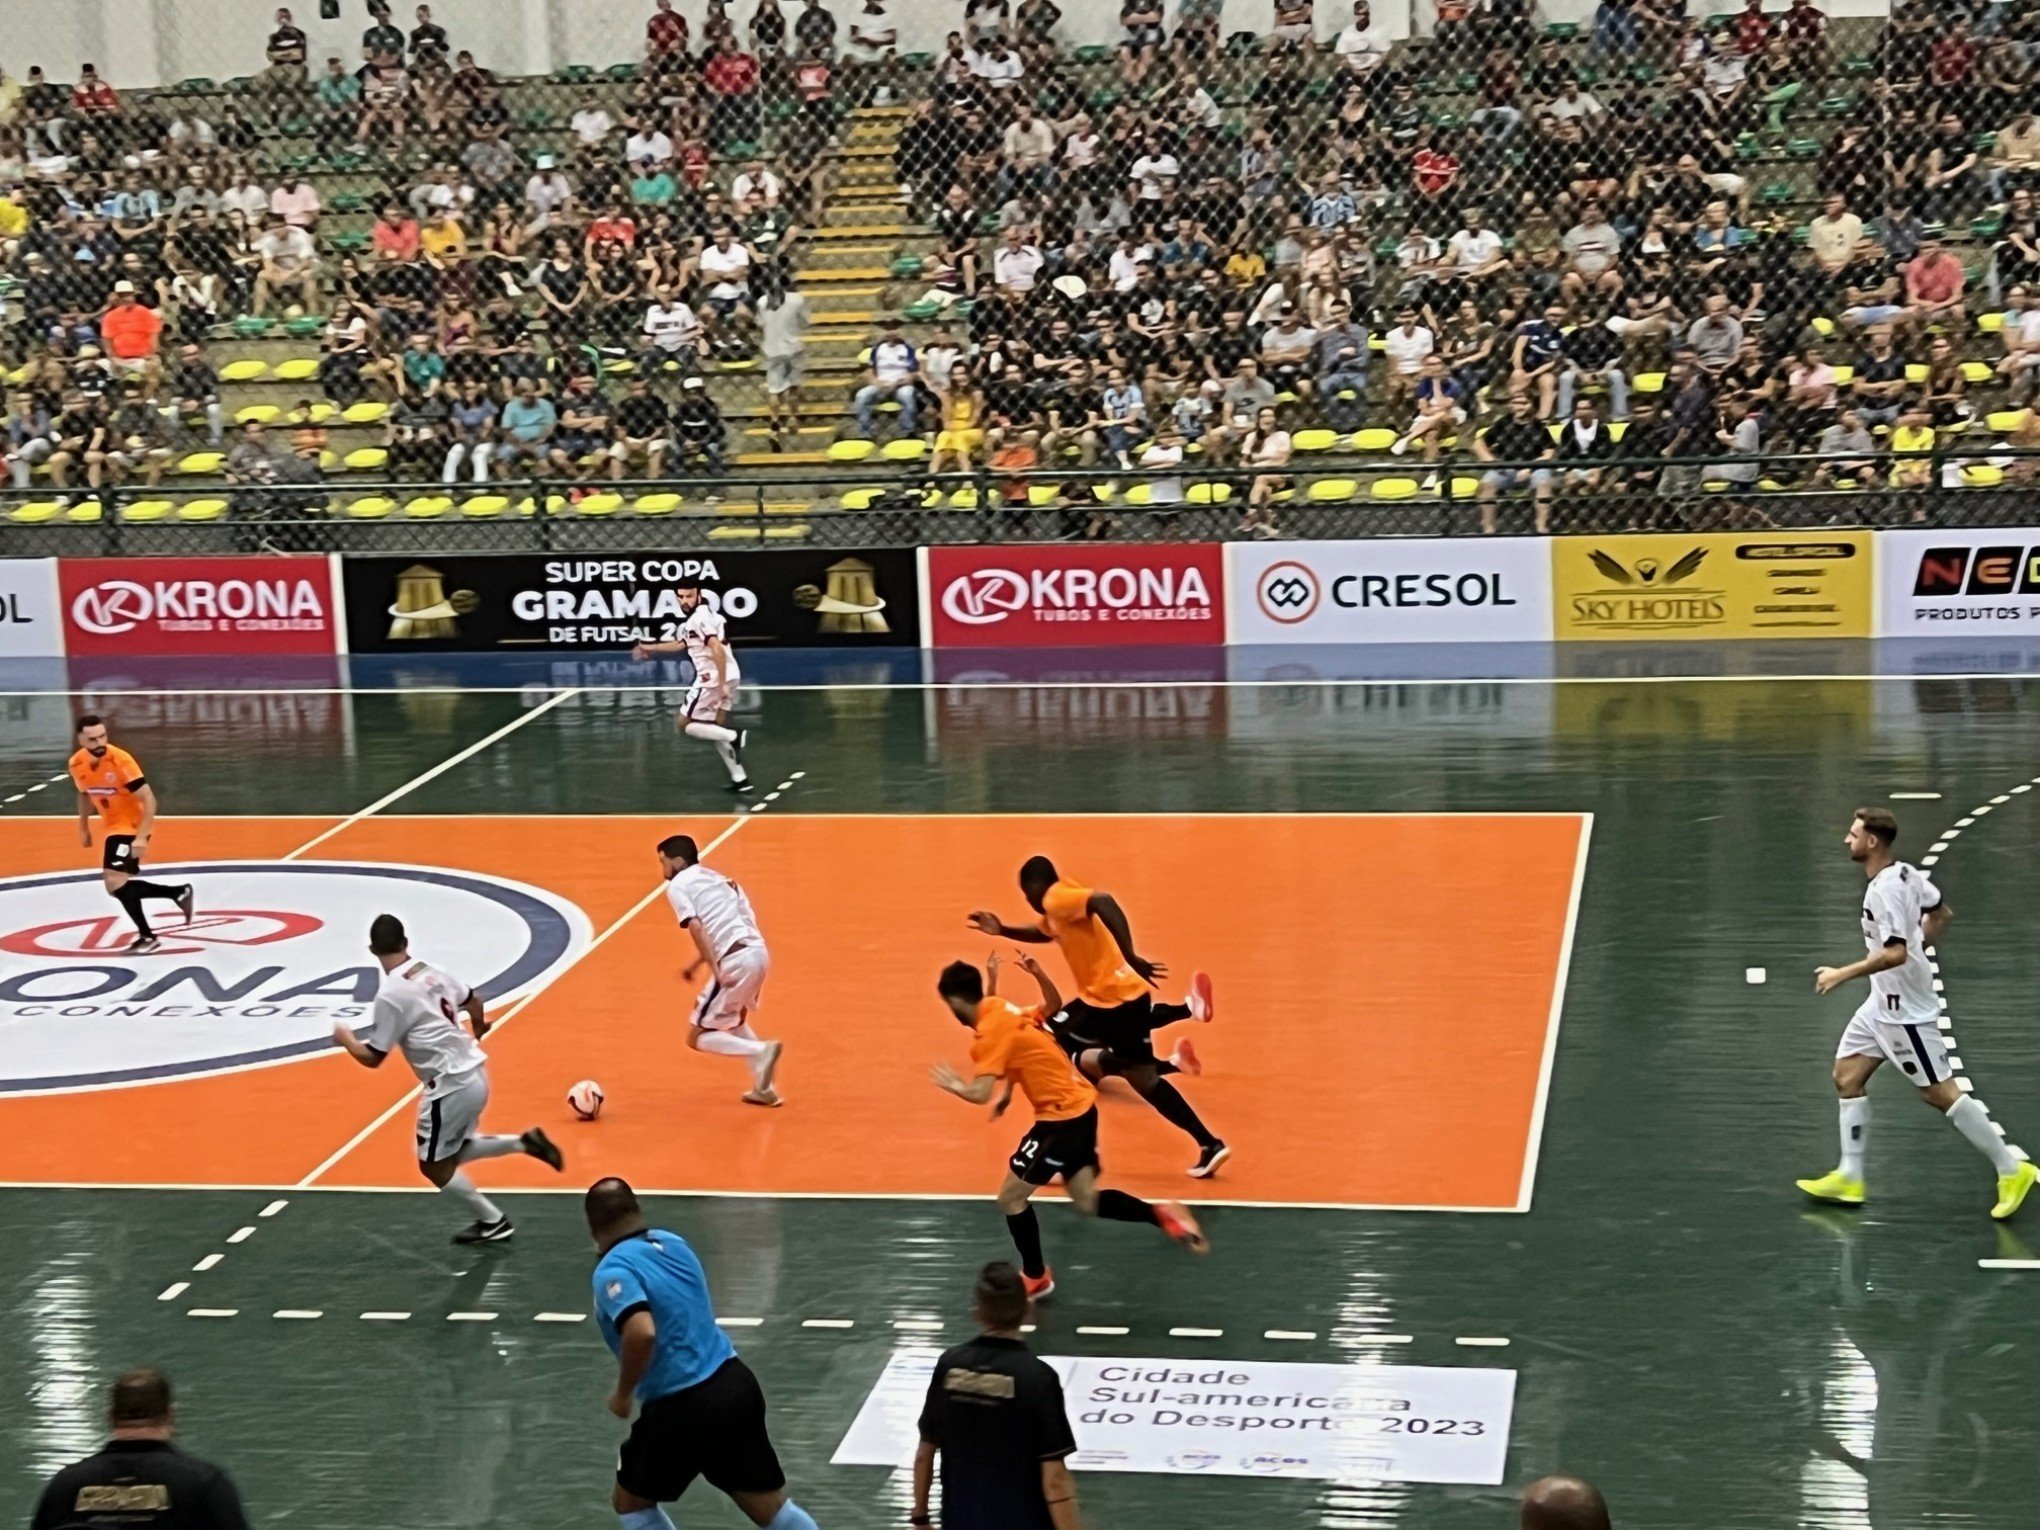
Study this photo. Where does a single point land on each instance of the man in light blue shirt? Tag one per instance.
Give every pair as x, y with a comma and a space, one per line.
700, 1410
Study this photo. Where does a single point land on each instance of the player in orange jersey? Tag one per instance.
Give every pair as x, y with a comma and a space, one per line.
1011, 1048
111, 785
1109, 1027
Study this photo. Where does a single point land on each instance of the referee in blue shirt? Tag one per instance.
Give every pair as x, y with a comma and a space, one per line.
701, 1412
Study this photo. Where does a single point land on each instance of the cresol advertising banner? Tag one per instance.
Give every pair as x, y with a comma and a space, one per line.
1392, 590
798, 598
1811, 584
1961, 584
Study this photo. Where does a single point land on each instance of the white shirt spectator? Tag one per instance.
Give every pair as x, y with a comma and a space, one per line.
1123, 269
727, 272
592, 125
1406, 349
1580, 106
1156, 174
247, 199
1199, 110
893, 362
1471, 250
547, 192
672, 329
1029, 146
1592, 247
1362, 49
1016, 267
286, 247
998, 73
297, 204
872, 32
655, 146
1080, 151
765, 181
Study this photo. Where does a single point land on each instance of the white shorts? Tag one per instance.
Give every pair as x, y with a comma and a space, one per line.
448, 1120
1913, 1047
733, 992
706, 700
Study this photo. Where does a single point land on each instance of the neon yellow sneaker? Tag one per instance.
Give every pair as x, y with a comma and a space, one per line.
1837, 1189
2012, 1190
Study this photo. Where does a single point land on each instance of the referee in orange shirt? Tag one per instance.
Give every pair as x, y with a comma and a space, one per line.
111, 785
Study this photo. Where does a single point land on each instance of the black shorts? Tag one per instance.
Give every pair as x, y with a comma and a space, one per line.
118, 854
715, 1429
1125, 1030
1057, 1148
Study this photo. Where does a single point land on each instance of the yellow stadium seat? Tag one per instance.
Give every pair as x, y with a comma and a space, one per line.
1140, 494
1975, 372
2004, 421
1617, 429
1333, 490
1106, 492
298, 369
1373, 440
85, 512
321, 412
1982, 475
747, 533
367, 412
1648, 382
656, 504
1990, 323
905, 449
623, 368
600, 504
201, 510
1844, 376
427, 507
1916, 372
964, 499
365, 459
1314, 440
860, 499
483, 506
1209, 493
329, 460
851, 451
198, 463
1823, 327
257, 414
1465, 488
374, 508
243, 371
554, 504
144, 512
1039, 494
1395, 488
34, 514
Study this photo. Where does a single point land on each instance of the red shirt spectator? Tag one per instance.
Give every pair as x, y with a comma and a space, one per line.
731, 74
1752, 29
398, 240
666, 32
1934, 276
92, 96
129, 330
1434, 170
1955, 58
1804, 23
612, 225
811, 79
694, 163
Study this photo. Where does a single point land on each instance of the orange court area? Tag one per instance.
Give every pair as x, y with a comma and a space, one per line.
1387, 988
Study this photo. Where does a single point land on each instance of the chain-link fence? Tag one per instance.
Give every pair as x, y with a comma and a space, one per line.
814, 254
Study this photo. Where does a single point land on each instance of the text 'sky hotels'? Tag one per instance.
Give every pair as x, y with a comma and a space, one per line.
276, 956
1240, 1418
1103, 596
236, 606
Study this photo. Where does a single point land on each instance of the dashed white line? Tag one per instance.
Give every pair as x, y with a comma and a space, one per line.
1474, 1341
212, 1312
921, 1325
2008, 1264
798, 775
272, 1208
786, 786
470, 1317
560, 1317
1377, 1338
772, 796
1754, 975
208, 1262
385, 1317
1196, 1333
172, 1292
724, 1322
828, 1323
297, 1314
17, 796
240, 1235
1915, 796
41, 784
1103, 1331
1294, 1335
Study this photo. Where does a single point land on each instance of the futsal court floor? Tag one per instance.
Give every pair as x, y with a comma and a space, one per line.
1516, 1047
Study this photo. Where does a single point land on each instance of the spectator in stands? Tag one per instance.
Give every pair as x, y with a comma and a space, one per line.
643, 432
30, 438
339, 97
1442, 404
892, 376
1265, 451
471, 433
698, 433
131, 334
526, 428
731, 76
1847, 450
1934, 282
783, 324
296, 201
284, 82
1363, 44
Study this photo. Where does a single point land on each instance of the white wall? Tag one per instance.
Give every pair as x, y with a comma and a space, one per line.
149, 42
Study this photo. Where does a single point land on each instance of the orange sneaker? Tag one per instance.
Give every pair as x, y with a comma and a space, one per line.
1038, 1286
1177, 1222
1200, 1000
1186, 1060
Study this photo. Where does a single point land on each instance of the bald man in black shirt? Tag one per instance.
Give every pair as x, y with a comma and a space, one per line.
140, 1481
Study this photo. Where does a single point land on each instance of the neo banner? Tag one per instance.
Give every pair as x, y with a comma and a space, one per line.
1239, 1418
1392, 590
796, 598
1969, 583
1104, 595
1814, 584
236, 606
31, 623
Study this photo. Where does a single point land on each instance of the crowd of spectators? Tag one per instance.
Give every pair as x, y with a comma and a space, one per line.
1203, 246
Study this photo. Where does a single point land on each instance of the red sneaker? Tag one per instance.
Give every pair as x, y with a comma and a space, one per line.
1200, 999
1038, 1286
1186, 1060
1177, 1222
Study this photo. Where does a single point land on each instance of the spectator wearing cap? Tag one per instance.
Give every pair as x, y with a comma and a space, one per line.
548, 195
698, 433
140, 1479
131, 334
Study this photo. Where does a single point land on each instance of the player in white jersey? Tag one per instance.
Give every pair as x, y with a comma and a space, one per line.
704, 638
1903, 914
714, 910
418, 1011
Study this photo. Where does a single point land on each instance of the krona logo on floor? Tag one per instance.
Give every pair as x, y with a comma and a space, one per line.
276, 955
1104, 596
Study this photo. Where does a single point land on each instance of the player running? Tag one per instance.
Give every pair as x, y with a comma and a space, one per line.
1109, 1027
714, 910
418, 1008
1010, 1046
704, 638
111, 785
1903, 912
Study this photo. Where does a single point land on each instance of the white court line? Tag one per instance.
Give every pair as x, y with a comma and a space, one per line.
241, 1235
1299, 1335
730, 1322
207, 1263
1469, 1341
560, 1317
2008, 1264
828, 1323
385, 1317
172, 1292
1196, 1333
1535, 1143
1103, 1330
297, 1314
431, 775
1376, 1338
1915, 796
273, 1208
470, 1317
212, 1312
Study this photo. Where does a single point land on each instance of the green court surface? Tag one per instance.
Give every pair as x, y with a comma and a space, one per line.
1685, 1330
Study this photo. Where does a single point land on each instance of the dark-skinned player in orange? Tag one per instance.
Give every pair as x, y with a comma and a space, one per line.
1108, 1029
1009, 1047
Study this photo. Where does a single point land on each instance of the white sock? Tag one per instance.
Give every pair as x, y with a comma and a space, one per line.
1968, 1117
757, 1062
732, 1044
490, 1147
1855, 1130
462, 1189
711, 733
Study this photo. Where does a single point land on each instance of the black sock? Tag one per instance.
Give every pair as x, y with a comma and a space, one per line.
131, 900
143, 889
1174, 1109
1169, 1014
1025, 1232
1118, 1206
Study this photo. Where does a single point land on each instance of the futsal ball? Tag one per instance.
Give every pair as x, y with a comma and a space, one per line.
585, 1099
